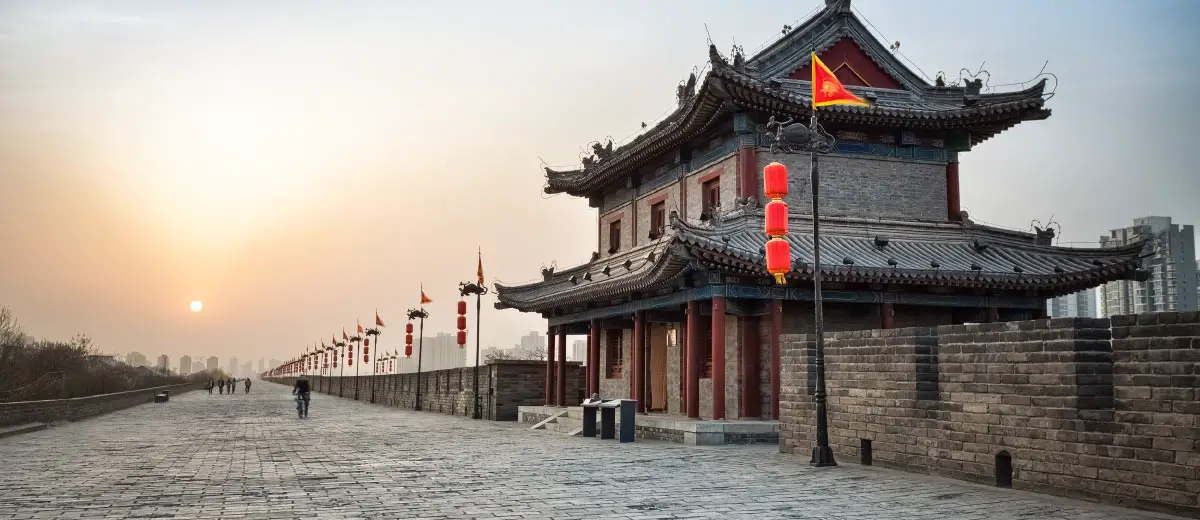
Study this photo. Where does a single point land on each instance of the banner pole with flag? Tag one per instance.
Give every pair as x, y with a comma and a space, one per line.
826, 90
420, 314
478, 289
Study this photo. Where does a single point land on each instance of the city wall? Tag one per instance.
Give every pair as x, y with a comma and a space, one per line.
503, 386
1089, 408
55, 410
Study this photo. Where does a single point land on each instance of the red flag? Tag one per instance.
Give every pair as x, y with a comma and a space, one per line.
827, 89
360, 329
344, 336
378, 321
424, 299
479, 272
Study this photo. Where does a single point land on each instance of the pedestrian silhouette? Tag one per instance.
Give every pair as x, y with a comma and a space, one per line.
247, 385
221, 386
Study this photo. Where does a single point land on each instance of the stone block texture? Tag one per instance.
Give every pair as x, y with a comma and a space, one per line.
866, 186
1091, 408
504, 385
55, 410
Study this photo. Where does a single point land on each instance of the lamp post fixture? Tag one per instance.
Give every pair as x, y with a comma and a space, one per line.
792, 138
375, 366
327, 383
419, 314
465, 289
358, 348
342, 369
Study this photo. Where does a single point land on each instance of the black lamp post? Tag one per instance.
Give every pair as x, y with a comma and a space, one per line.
374, 366
356, 338
327, 378
465, 289
419, 314
793, 138
342, 370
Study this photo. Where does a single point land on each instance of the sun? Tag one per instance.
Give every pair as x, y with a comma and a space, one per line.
197, 306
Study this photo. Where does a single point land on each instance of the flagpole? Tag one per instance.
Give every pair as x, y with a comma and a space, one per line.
375, 365
822, 454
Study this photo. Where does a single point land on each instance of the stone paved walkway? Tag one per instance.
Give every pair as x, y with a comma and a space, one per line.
248, 456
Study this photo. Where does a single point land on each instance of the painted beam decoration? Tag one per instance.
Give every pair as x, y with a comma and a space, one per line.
779, 253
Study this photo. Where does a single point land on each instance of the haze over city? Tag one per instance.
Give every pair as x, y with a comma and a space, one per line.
297, 166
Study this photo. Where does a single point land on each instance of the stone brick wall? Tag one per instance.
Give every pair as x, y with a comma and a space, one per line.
866, 186
1091, 408
54, 410
727, 170
503, 386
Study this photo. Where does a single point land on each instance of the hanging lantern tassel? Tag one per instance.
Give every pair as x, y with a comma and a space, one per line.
779, 252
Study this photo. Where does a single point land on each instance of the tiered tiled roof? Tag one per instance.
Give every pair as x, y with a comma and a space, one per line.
852, 250
761, 83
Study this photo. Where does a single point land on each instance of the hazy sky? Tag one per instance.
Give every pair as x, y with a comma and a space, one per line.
297, 164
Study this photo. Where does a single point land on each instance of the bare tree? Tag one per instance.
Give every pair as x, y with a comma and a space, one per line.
518, 352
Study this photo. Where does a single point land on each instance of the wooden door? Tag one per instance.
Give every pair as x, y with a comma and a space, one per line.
658, 369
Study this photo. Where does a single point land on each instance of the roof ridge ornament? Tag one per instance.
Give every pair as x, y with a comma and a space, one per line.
686, 90
837, 6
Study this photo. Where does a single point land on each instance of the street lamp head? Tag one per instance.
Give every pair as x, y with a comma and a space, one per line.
372, 332
468, 288
415, 314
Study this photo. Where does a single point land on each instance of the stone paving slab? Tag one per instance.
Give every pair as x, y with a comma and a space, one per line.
248, 456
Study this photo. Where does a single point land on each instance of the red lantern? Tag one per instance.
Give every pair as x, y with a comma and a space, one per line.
462, 337
408, 350
777, 218
779, 259
366, 342
335, 362
775, 181
462, 323
462, 306
366, 359
349, 361
408, 339
408, 328
366, 350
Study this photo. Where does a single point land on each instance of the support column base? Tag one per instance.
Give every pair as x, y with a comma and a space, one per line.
822, 457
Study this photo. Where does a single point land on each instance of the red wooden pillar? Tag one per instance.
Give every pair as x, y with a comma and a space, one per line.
594, 358
718, 354
638, 360
747, 171
562, 367
953, 204
749, 401
694, 360
887, 315
773, 338
550, 366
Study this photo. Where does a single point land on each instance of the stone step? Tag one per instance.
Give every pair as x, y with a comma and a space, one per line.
548, 420
22, 428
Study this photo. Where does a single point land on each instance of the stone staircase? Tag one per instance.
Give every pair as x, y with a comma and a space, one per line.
566, 422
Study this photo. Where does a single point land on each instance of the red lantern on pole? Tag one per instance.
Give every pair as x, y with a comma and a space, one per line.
777, 218
462, 323
408, 350
366, 342
462, 338
366, 350
366, 359
779, 259
408, 328
779, 252
775, 181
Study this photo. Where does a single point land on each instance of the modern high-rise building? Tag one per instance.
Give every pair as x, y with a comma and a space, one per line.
136, 359
213, 362
262, 363
579, 351
185, 365
533, 340
1171, 282
233, 367
164, 364
437, 353
1077, 305
248, 368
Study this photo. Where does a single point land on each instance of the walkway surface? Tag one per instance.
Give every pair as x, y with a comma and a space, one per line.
248, 456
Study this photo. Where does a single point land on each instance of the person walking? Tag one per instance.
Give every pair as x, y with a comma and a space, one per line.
232, 385
247, 385
221, 385
301, 391
211, 384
